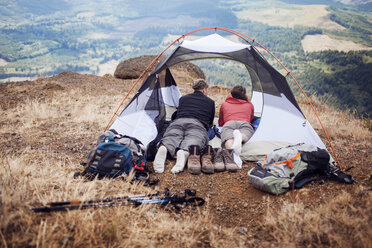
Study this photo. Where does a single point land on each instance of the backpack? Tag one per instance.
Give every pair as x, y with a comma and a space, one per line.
114, 155
289, 167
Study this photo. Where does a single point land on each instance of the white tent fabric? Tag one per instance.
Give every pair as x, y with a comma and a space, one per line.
171, 95
257, 102
213, 43
139, 104
282, 122
137, 124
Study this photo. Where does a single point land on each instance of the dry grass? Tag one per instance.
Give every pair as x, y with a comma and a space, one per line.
42, 145
337, 124
335, 223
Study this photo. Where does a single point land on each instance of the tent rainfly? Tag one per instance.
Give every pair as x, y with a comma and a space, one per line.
282, 122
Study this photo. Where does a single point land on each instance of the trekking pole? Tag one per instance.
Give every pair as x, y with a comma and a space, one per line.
78, 204
109, 199
48, 209
174, 200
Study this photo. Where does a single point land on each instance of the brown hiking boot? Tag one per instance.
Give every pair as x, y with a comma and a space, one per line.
206, 161
193, 162
228, 157
218, 163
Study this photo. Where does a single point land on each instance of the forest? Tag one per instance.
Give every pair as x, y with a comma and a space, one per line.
37, 40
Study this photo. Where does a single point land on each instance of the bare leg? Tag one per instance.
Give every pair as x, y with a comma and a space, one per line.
244, 138
229, 143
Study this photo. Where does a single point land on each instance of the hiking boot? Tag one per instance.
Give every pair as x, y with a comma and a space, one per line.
228, 157
218, 163
193, 162
206, 160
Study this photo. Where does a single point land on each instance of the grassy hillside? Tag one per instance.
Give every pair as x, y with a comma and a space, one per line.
48, 127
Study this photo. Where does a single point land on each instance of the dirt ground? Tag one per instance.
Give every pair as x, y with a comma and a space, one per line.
231, 198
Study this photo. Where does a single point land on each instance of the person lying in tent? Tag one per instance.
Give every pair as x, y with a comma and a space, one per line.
187, 135
235, 118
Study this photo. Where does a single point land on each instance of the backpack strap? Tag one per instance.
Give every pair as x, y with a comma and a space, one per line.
119, 136
302, 182
336, 174
289, 161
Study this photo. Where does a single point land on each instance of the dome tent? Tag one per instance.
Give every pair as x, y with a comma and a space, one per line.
282, 121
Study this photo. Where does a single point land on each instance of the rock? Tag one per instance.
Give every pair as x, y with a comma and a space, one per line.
133, 67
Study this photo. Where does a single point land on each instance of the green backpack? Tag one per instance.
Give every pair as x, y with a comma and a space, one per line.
288, 168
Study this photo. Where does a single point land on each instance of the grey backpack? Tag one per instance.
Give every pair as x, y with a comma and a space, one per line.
288, 168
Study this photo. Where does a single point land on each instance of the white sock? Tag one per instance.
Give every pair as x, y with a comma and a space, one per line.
238, 161
159, 160
181, 161
237, 145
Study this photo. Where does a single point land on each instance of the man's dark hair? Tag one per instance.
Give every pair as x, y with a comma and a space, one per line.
239, 92
199, 84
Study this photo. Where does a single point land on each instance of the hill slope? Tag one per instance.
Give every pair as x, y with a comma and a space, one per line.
49, 125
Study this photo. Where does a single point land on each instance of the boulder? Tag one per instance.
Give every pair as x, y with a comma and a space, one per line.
133, 67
